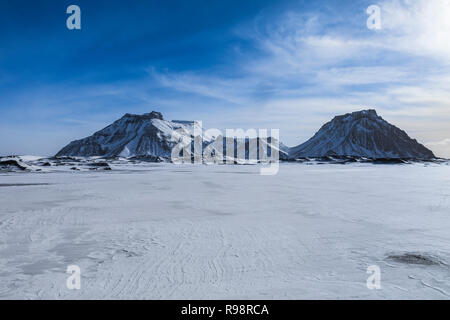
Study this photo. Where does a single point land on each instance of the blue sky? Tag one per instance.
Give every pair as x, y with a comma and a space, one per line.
291, 65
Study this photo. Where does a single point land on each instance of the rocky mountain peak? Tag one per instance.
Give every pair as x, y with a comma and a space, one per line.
145, 116
362, 134
368, 113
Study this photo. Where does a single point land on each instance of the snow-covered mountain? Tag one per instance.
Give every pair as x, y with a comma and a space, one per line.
358, 134
361, 134
132, 135
149, 135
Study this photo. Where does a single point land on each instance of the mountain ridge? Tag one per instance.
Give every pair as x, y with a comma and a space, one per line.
358, 134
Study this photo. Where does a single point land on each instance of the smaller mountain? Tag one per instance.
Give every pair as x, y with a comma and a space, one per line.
361, 134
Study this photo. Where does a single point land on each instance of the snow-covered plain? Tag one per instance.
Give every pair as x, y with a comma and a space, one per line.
163, 231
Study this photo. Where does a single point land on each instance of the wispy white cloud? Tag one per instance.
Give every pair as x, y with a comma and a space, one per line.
419, 27
292, 70
307, 71
444, 142
440, 147
232, 90
304, 73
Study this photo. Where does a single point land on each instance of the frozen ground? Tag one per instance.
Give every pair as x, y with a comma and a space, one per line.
212, 232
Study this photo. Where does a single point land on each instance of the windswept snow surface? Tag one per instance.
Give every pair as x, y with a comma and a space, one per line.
163, 231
